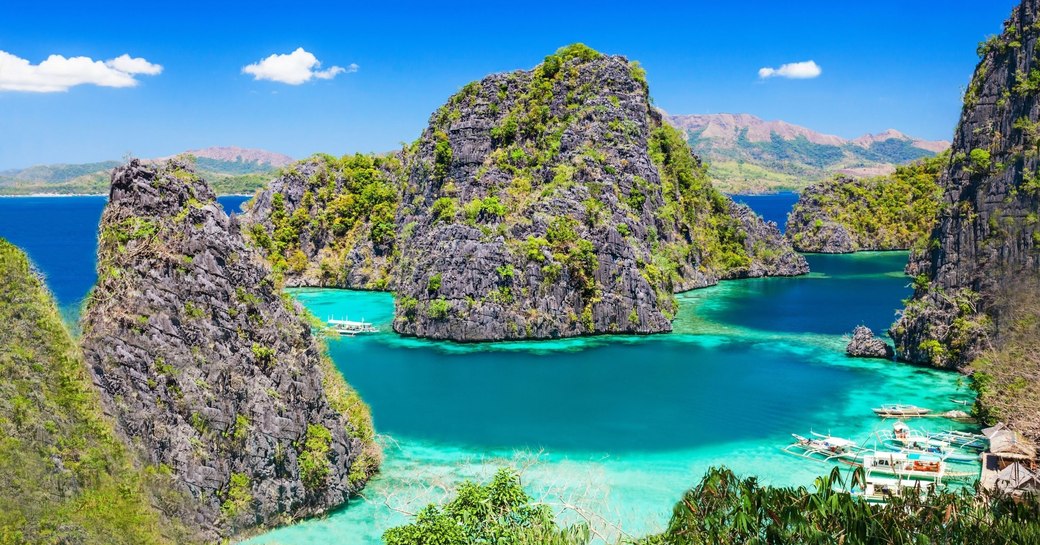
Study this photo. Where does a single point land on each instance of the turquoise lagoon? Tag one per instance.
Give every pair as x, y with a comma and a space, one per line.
616, 428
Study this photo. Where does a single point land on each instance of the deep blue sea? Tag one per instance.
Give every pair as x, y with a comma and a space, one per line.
618, 425
772, 207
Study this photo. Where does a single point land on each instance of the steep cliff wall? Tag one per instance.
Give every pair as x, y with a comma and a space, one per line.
884, 213
547, 203
208, 370
987, 228
63, 473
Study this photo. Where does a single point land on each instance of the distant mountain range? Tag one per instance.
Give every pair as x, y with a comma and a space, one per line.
228, 169
747, 154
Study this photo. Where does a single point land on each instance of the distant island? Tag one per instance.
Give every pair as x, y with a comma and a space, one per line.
231, 170
747, 154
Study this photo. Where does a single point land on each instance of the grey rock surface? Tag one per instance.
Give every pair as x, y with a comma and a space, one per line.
865, 345
987, 236
209, 372
576, 151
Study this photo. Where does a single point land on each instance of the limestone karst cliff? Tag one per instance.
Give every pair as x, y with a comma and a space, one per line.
210, 372
987, 234
542, 203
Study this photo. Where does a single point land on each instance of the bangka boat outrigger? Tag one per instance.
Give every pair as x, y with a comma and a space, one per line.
912, 466
824, 448
351, 328
900, 411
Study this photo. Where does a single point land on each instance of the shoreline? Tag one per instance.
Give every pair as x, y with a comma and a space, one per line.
104, 195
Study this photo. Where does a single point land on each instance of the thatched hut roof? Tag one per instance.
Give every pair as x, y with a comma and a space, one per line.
1007, 443
1017, 477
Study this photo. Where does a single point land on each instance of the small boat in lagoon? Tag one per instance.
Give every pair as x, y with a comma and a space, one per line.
900, 411
351, 328
962, 439
824, 448
881, 489
905, 439
912, 466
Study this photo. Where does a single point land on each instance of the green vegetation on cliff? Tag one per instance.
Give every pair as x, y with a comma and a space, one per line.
1007, 377
892, 212
345, 202
64, 476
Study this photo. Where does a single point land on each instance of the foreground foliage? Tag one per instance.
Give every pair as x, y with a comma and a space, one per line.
498, 512
64, 477
726, 509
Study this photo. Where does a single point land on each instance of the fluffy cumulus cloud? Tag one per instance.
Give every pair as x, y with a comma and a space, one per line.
57, 73
297, 67
794, 70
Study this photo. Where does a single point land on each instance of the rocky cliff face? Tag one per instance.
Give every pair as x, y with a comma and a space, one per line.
891, 212
547, 203
210, 373
987, 229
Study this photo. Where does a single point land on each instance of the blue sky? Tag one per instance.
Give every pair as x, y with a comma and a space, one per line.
884, 64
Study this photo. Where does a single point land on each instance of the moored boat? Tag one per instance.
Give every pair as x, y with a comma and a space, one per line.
912, 466
351, 328
896, 410
882, 489
824, 448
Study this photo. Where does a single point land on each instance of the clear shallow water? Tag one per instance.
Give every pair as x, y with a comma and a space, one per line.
624, 425
617, 425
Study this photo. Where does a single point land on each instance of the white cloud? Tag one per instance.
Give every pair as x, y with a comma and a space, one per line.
297, 67
794, 70
131, 65
57, 73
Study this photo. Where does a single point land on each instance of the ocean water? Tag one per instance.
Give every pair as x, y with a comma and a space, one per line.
621, 426
772, 206
610, 428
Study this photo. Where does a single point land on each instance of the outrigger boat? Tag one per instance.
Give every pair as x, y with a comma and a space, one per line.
900, 411
962, 439
350, 328
904, 439
912, 466
824, 448
882, 489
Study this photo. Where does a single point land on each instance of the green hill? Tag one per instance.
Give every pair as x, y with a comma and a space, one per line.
750, 155
230, 171
64, 476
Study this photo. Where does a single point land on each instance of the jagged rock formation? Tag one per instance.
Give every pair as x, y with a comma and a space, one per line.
330, 222
987, 231
64, 478
865, 345
885, 213
210, 373
544, 203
